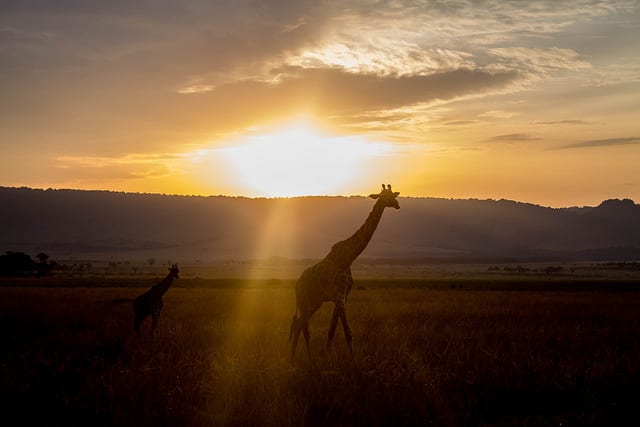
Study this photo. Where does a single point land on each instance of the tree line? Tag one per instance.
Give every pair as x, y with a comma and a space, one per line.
20, 264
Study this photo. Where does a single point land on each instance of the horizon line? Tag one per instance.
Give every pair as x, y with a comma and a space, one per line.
238, 196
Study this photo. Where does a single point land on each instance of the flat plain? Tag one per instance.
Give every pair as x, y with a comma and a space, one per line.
459, 347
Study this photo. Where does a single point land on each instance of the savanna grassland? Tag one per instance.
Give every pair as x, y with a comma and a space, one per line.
527, 352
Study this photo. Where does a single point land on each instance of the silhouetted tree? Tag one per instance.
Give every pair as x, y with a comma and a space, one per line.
17, 264
42, 257
44, 267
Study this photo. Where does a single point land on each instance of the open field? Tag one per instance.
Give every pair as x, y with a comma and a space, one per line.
449, 352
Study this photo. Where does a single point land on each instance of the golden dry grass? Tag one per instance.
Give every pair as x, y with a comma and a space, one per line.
220, 357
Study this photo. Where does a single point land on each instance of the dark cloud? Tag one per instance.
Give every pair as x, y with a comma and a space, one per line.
336, 90
175, 39
609, 142
513, 137
330, 92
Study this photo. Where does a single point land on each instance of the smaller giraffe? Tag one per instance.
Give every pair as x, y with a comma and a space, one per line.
150, 303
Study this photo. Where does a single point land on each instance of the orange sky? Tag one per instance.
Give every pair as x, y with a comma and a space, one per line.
532, 101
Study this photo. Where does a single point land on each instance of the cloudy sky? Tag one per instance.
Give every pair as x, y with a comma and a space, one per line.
537, 101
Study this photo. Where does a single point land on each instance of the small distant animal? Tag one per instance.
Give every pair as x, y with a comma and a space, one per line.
150, 303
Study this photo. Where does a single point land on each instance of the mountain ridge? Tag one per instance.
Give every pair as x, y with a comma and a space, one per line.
104, 223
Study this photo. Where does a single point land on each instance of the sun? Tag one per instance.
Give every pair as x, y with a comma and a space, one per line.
299, 159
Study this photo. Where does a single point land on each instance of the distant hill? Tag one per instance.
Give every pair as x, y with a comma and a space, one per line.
101, 224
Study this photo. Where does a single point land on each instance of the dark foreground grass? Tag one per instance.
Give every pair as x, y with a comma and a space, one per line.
220, 357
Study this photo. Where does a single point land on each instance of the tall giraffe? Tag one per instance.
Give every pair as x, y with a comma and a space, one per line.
150, 303
330, 280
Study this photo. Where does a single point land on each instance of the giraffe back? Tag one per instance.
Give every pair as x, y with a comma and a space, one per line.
324, 281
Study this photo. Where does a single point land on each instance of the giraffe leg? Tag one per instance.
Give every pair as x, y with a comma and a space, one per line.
332, 328
305, 332
155, 315
347, 330
296, 328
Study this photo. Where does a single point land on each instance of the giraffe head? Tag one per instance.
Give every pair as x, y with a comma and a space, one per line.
173, 271
387, 197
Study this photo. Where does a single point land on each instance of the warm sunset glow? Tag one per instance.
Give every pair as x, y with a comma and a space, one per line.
529, 101
300, 160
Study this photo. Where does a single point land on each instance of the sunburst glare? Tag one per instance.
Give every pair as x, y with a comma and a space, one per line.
300, 160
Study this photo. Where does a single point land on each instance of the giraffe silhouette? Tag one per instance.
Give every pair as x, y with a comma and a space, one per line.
150, 303
330, 280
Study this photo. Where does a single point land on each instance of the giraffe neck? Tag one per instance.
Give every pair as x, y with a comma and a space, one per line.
349, 249
163, 286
